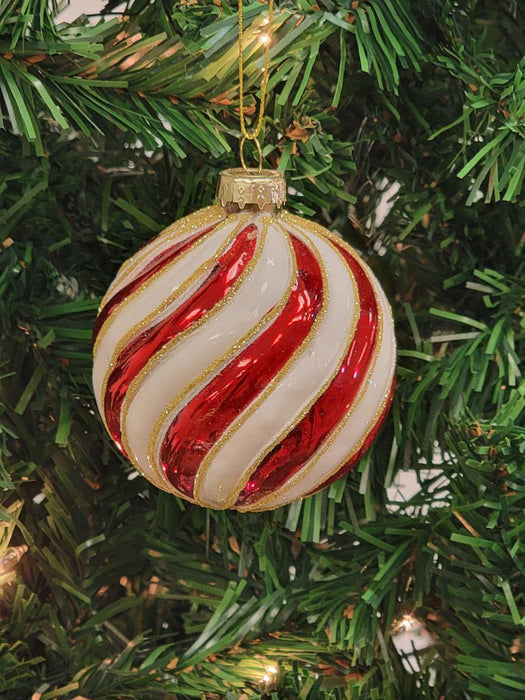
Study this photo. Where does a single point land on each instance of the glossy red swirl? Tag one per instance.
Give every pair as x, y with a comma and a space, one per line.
136, 355
205, 418
364, 447
330, 408
154, 266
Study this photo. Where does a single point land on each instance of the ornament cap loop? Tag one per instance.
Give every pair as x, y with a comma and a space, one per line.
265, 189
259, 152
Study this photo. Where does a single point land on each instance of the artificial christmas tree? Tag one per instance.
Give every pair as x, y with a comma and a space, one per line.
115, 127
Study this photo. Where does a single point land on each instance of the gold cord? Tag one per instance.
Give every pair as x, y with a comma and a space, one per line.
254, 133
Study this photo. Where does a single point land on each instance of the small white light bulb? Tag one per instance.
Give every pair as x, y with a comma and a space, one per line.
407, 622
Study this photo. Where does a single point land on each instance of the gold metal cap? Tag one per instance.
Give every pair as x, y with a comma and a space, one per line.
265, 189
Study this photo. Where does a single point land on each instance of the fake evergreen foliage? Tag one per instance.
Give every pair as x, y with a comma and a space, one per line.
112, 130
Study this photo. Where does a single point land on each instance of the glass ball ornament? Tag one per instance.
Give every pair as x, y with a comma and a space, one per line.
245, 357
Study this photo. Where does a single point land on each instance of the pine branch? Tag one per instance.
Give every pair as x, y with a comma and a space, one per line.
126, 592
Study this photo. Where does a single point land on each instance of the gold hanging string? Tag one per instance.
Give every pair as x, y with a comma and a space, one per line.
252, 135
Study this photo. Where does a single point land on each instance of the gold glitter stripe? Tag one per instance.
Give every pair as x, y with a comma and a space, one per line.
187, 284
299, 476
137, 382
262, 505
175, 230
208, 374
165, 270
326, 385
210, 262
241, 483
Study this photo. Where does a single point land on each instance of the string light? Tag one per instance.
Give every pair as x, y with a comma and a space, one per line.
264, 38
407, 623
270, 676
11, 558
410, 638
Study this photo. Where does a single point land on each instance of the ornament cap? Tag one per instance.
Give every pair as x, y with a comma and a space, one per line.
239, 188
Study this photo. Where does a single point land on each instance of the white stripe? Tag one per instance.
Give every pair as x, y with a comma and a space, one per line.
177, 232
358, 424
154, 293
223, 471
263, 288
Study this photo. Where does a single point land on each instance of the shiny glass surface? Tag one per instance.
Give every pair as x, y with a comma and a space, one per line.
329, 409
364, 447
154, 266
136, 355
206, 417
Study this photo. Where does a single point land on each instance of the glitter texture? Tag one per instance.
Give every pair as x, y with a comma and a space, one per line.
238, 432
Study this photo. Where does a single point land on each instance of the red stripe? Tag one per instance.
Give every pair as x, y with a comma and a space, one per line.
329, 409
364, 447
136, 355
151, 268
205, 418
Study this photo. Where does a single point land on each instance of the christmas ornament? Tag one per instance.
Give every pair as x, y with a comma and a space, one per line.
245, 357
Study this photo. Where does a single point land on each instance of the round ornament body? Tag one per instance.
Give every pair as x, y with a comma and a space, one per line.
244, 359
